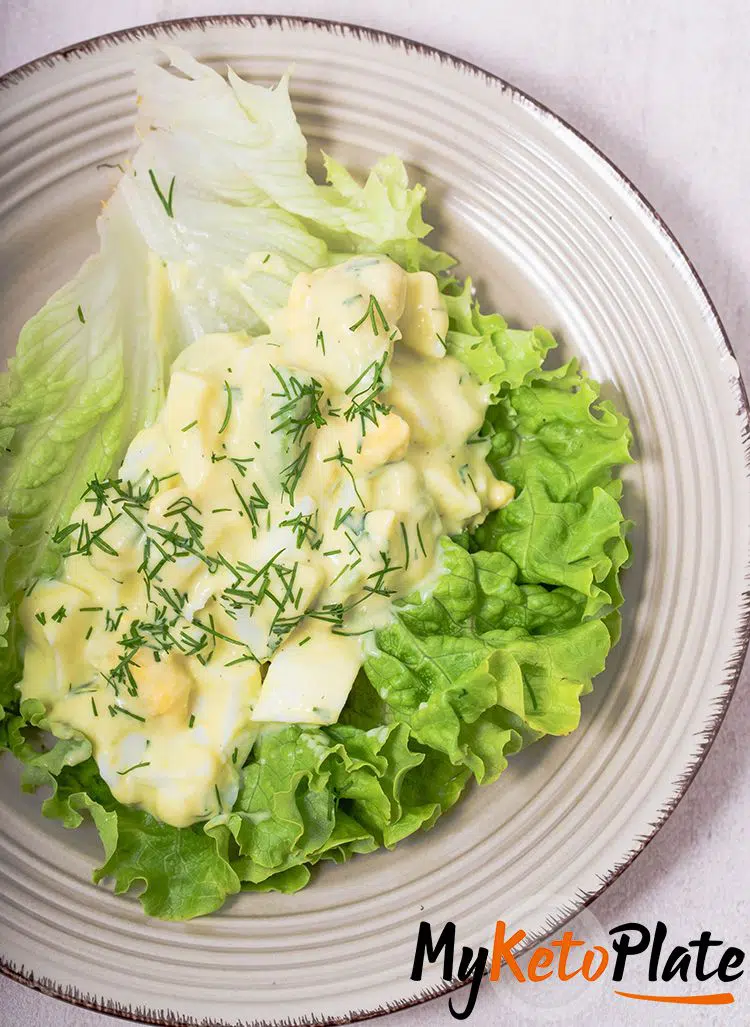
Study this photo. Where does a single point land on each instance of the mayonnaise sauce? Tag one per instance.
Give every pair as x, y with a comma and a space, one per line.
292, 487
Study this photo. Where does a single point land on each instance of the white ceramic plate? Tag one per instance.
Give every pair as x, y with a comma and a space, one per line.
553, 234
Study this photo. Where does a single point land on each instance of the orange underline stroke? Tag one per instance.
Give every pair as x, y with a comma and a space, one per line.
723, 998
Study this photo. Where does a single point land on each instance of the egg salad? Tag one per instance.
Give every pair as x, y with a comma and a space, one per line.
292, 488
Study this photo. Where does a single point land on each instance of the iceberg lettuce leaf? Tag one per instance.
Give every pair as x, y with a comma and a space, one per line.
212, 218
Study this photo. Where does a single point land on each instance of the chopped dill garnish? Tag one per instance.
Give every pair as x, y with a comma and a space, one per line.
342, 572
217, 634
228, 412
84, 688
121, 709
263, 570
405, 536
421, 543
341, 516
256, 501
364, 392
136, 766
166, 201
305, 640
242, 659
302, 524
340, 458
291, 474
301, 409
187, 427
81, 318
112, 623
379, 587
373, 309
239, 463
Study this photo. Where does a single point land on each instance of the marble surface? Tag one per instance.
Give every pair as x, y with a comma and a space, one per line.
662, 89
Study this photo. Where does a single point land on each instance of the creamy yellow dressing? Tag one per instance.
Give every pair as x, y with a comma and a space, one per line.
291, 489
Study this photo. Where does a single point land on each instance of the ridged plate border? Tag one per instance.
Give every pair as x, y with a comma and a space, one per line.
729, 661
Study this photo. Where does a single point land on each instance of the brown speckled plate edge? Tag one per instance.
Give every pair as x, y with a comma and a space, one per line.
164, 1017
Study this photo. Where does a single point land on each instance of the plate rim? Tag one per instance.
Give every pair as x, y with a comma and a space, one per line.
733, 668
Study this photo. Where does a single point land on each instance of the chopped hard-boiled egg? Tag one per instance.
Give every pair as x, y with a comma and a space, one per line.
309, 678
292, 487
424, 323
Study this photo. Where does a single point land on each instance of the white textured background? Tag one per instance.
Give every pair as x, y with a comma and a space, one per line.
662, 86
